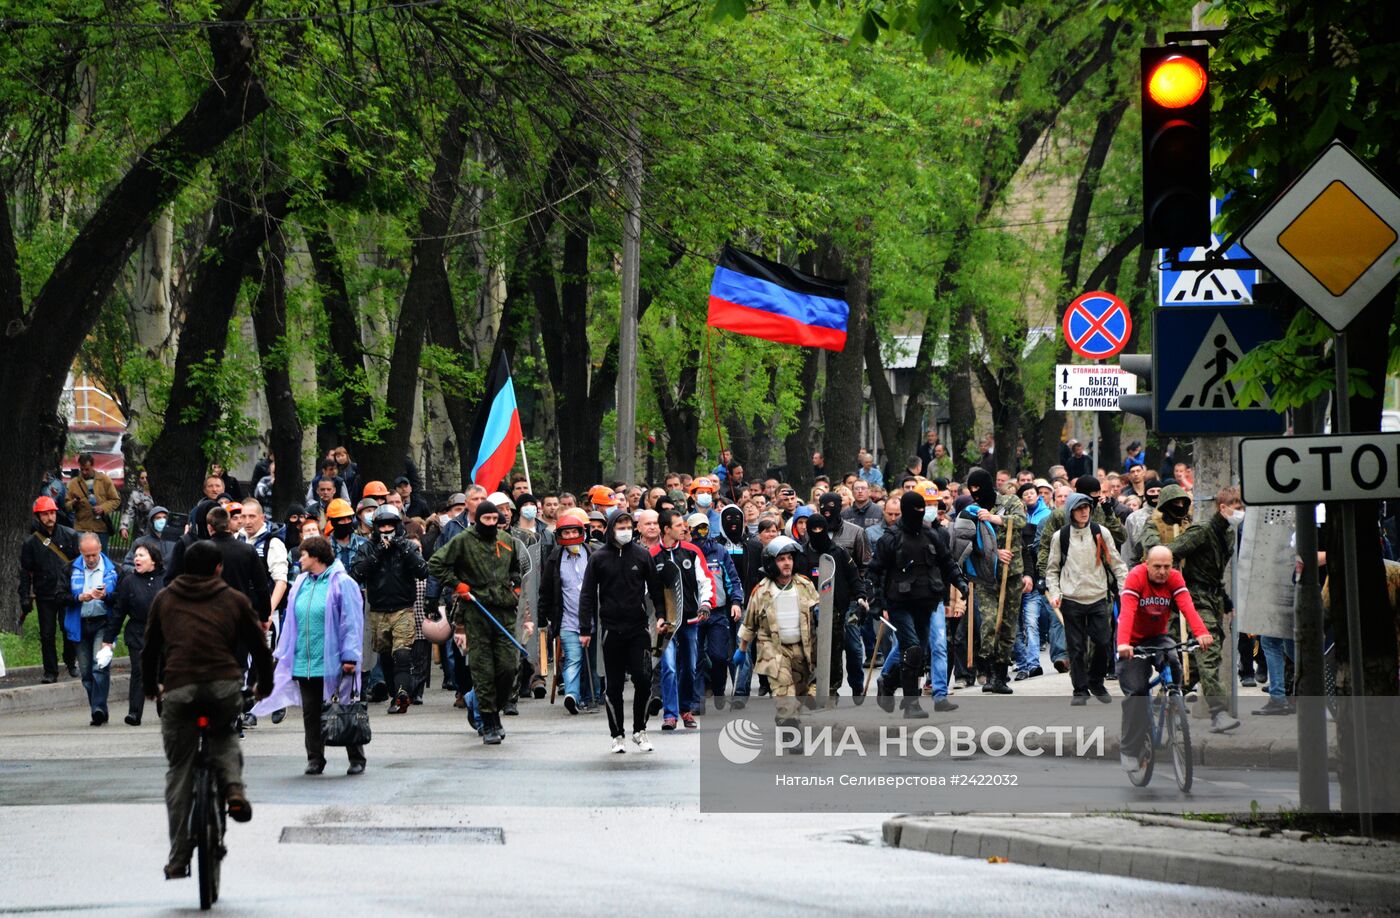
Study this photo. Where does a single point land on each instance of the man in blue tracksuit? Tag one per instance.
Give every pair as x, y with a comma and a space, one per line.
716, 631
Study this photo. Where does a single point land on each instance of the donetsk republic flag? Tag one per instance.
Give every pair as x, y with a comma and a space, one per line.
754, 296
496, 433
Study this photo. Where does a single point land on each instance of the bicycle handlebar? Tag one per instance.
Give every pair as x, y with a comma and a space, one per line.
1147, 653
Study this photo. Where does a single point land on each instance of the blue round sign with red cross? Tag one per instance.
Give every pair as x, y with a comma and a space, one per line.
1097, 325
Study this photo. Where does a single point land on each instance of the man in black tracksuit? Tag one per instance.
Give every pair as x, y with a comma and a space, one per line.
389, 569
619, 577
848, 588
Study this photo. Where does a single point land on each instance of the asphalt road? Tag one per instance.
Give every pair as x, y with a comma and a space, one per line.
549, 822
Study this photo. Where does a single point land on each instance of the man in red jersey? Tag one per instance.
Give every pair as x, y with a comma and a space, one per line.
1151, 593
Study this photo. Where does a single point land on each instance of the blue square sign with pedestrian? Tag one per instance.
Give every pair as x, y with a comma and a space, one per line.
1195, 349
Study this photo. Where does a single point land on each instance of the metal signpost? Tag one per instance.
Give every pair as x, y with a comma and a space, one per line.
1299, 239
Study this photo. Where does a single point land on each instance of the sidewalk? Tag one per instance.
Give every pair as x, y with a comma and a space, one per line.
21, 691
1169, 849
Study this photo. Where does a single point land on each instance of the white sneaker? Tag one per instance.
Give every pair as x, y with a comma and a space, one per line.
643, 744
618, 746
1221, 722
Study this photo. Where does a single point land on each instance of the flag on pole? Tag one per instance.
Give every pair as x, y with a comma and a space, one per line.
496, 432
761, 298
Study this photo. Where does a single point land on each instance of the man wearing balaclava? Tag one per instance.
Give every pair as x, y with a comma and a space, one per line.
482, 570
912, 569
561, 583
848, 600
1137, 521
1006, 514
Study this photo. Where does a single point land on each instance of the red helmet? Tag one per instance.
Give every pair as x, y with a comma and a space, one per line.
44, 504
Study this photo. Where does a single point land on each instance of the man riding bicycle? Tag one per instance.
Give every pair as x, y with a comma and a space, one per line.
1151, 592
198, 634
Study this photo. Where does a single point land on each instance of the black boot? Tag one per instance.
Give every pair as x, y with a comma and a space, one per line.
884, 695
493, 734
913, 710
1000, 685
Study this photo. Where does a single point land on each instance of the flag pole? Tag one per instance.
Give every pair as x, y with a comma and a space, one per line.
525, 462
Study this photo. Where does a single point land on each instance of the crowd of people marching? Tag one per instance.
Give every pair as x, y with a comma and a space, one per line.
378, 574
699, 590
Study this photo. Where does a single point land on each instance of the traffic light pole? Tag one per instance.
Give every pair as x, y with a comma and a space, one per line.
1341, 424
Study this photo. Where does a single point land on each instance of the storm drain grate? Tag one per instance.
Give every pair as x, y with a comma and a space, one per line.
392, 835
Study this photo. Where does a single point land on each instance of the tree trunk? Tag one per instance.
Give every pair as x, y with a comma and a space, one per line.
843, 400
962, 415
270, 330
150, 314
427, 281
39, 345
345, 368
178, 457
680, 417
797, 445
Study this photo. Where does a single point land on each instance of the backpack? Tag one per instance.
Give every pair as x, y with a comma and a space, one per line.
1102, 552
974, 546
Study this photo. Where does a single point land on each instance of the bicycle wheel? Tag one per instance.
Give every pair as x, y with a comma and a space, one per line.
204, 820
1179, 738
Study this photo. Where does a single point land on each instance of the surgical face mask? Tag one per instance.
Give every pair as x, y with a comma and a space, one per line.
1237, 517
703, 500
159, 525
931, 514
623, 536
529, 512
367, 518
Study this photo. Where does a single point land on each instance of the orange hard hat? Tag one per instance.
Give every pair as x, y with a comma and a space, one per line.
702, 484
339, 509
375, 489
44, 504
601, 496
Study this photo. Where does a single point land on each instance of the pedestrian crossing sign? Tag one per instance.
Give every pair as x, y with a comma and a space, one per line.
1195, 349
1206, 386
1221, 287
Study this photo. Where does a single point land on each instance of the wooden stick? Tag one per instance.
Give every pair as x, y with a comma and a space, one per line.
971, 616
1005, 570
1186, 657
870, 670
544, 653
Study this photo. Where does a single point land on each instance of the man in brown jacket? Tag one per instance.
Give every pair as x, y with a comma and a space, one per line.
199, 631
91, 497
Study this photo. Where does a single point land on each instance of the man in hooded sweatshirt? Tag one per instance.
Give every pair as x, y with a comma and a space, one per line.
913, 569
1005, 514
1083, 576
483, 567
198, 634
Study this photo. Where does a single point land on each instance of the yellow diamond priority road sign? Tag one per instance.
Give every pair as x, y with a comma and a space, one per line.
1333, 236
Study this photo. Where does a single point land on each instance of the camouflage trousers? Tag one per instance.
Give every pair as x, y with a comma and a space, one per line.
994, 645
1205, 664
796, 678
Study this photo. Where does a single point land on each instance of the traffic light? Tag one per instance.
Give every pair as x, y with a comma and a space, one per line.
1176, 146
1141, 366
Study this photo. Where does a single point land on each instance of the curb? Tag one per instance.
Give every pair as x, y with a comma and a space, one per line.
1235, 874
67, 694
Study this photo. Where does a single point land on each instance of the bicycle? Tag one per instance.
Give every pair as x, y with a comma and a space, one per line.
1169, 725
207, 819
